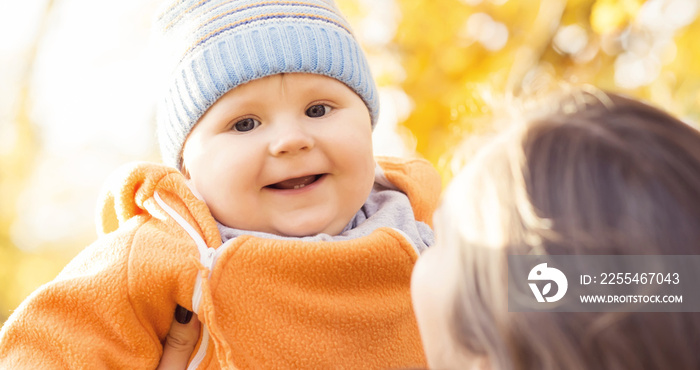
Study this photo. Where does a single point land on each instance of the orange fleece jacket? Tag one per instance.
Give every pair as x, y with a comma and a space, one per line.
263, 303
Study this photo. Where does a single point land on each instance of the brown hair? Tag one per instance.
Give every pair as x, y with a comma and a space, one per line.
601, 174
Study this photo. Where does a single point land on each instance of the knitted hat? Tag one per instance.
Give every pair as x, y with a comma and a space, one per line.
226, 43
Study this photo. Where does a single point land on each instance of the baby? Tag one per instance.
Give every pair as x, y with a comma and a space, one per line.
600, 174
273, 221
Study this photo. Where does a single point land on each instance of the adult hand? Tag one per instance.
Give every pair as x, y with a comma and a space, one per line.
181, 340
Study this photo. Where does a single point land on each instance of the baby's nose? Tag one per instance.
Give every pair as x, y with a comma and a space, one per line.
291, 139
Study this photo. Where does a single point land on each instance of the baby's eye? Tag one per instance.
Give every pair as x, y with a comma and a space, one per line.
246, 125
318, 110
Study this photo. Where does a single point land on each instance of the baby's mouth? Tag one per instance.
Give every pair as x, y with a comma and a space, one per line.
296, 183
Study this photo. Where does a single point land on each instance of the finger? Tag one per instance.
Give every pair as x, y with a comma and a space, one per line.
181, 340
183, 315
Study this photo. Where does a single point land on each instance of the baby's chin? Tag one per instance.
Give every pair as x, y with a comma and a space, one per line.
294, 227
310, 228
318, 218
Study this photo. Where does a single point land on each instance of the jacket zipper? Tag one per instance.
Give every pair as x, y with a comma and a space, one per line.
207, 257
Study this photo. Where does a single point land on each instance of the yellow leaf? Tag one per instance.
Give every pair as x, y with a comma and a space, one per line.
608, 16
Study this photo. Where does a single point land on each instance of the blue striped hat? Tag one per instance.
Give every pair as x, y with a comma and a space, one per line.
226, 43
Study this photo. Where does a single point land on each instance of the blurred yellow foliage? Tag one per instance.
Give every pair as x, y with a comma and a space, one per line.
459, 76
611, 15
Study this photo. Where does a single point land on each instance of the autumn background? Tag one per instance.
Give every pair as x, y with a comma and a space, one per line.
76, 97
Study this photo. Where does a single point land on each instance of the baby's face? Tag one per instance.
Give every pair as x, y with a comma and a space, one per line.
285, 154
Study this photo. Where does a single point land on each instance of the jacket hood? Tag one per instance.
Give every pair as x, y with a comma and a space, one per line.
417, 179
132, 190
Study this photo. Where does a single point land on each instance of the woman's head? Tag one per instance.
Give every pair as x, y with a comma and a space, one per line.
601, 175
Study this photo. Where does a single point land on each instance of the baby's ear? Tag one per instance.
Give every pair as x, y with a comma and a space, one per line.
190, 183
185, 172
